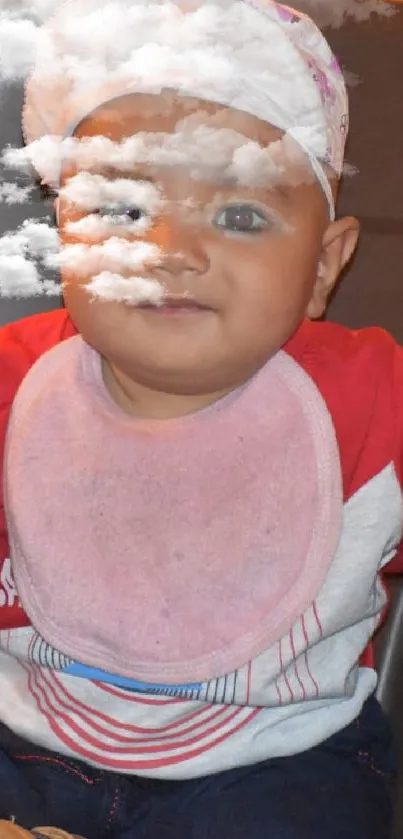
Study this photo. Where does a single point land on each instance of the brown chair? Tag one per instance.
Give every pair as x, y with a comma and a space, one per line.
372, 291
389, 661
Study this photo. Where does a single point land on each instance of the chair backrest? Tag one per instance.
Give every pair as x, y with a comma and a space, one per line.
372, 294
389, 660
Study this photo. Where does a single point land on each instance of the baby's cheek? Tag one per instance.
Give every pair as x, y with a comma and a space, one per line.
66, 217
95, 319
75, 290
275, 295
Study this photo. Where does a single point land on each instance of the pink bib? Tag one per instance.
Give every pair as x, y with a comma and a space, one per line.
168, 551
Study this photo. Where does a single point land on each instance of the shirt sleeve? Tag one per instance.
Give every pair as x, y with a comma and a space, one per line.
360, 376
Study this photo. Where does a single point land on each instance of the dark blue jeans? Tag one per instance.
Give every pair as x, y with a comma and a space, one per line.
342, 789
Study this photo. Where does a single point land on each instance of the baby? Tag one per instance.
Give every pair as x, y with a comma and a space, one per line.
202, 486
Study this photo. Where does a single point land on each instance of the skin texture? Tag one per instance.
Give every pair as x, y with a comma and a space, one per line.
259, 285
9, 830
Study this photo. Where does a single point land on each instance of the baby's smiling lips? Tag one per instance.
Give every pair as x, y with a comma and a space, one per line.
177, 306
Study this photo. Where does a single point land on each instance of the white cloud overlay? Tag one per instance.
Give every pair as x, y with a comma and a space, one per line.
208, 152
89, 192
19, 275
20, 23
107, 263
131, 290
113, 254
11, 193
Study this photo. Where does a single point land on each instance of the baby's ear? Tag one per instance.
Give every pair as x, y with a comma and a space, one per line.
339, 243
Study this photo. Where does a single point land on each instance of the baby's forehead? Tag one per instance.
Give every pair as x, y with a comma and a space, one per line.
141, 134
170, 112
172, 130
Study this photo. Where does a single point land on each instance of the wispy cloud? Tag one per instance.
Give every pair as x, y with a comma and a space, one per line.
20, 252
11, 193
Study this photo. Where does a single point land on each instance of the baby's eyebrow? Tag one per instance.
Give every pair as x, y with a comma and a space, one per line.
280, 190
111, 172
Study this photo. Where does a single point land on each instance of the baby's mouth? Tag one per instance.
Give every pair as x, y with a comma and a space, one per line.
176, 306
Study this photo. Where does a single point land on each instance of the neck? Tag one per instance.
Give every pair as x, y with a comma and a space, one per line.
139, 400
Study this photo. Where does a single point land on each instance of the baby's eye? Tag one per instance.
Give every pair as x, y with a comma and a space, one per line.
241, 218
121, 215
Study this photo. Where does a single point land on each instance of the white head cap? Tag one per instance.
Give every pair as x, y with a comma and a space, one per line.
253, 55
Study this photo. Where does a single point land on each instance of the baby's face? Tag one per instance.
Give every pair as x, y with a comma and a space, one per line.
248, 255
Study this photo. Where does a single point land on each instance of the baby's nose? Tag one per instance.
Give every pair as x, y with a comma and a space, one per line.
182, 249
